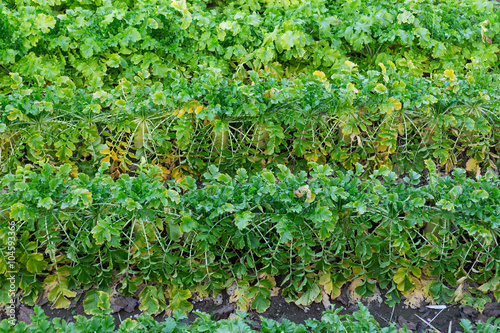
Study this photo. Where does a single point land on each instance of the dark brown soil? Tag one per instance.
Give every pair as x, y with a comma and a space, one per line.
399, 315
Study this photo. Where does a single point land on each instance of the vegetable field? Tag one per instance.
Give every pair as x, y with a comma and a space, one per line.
172, 151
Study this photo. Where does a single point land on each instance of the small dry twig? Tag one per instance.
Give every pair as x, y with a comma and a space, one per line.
436, 316
388, 322
428, 324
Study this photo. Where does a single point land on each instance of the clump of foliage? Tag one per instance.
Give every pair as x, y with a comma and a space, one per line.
331, 321
250, 84
318, 231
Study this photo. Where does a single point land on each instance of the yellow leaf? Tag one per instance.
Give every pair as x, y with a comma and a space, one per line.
384, 70
270, 93
320, 75
418, 295
50, 282
177, 174
336, 289
471, 165
351, 87
351, 291
380, 89
401, 128
74, 171
326, 282
350, 64
357, 270
179, 5
450, 74
382, 148
459, 292
395, 103
61, 302
311, 157
241, 298
310, 196
202, 290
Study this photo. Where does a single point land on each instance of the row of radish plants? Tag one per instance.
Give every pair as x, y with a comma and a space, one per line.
331, 321
316, 230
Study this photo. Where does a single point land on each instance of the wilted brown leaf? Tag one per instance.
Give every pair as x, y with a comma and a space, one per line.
24, 314
325, 300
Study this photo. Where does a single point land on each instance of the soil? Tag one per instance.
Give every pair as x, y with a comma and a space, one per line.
279, 310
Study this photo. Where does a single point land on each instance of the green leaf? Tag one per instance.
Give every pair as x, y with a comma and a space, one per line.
179, 300
440, 292
418, 202
241, 220
309, 296
479, 195
392, 296
132, 205
87, 49
159, 98
35, 141
390, 105
321, 214
82, 196
439, 50
380, 88
406, 17
380, 189
174, 231
172, 196
46, 203
97, 303
45, 22
269, 177
445, 204
152, 23
224, 178
18, 212
423, 34
366, 289
35, 263
65, 150
186, 20
187, 223
483, 126
442, 154
104, 231
148, 300
261, 303
360, 207
402, 279
477, 301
